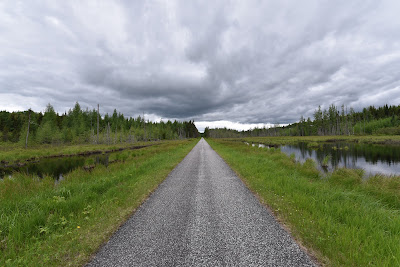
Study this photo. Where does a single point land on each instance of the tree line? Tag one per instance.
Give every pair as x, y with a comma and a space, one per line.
384, 120
87, 126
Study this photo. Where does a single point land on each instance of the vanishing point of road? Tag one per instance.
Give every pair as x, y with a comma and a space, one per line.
201, 215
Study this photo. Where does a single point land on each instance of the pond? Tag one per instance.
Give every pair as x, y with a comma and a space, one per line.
372, 158
56, 167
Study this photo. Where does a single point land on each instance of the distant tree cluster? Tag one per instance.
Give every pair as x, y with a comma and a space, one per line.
332, 121
80, 126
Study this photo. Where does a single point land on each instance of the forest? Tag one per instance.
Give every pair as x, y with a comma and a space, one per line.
383, 120
78, 126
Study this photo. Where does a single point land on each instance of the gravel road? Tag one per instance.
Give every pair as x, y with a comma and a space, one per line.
201, 215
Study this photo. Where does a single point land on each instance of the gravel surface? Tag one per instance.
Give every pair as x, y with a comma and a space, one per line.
201, 215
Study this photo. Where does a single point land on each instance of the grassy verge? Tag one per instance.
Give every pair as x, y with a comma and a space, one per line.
13, 152
344, 220
48, 224
285, 140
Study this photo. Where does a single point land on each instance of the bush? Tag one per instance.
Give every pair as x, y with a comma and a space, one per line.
388, 131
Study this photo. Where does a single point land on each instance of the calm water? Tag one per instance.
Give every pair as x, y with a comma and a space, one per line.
56, 167
373, 159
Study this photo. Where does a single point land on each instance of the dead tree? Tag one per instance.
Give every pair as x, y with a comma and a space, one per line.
108, 133
98, 107
144, 129
27, 132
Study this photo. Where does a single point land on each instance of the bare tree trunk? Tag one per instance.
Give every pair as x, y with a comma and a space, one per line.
98, 107
346, 122
115, 135
27, 133
144, 129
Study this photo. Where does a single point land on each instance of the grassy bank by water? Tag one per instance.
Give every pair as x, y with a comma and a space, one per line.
43, 223
343, 219
11, 153
286, 140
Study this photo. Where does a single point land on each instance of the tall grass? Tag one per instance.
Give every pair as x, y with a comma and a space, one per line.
343, 219
48, 224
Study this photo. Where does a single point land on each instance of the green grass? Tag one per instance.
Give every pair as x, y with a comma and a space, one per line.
314, 140
11, 152
313, 145
343, 219
48, 224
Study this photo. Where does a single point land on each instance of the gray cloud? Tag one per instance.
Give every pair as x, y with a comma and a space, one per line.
239, 61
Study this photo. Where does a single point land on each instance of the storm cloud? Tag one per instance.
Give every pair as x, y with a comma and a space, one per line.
234, 62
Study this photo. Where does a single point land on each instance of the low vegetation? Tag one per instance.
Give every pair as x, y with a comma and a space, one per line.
342, 218
12, 153
43, 223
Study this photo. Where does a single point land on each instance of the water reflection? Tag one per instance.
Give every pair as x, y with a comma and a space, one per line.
374, 159
56, 167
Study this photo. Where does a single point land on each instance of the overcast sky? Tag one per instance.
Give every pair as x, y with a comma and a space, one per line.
222, 63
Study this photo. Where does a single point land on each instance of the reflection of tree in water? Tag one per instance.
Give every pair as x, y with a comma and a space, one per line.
56, 167
346, 154
102, 159
375, 153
